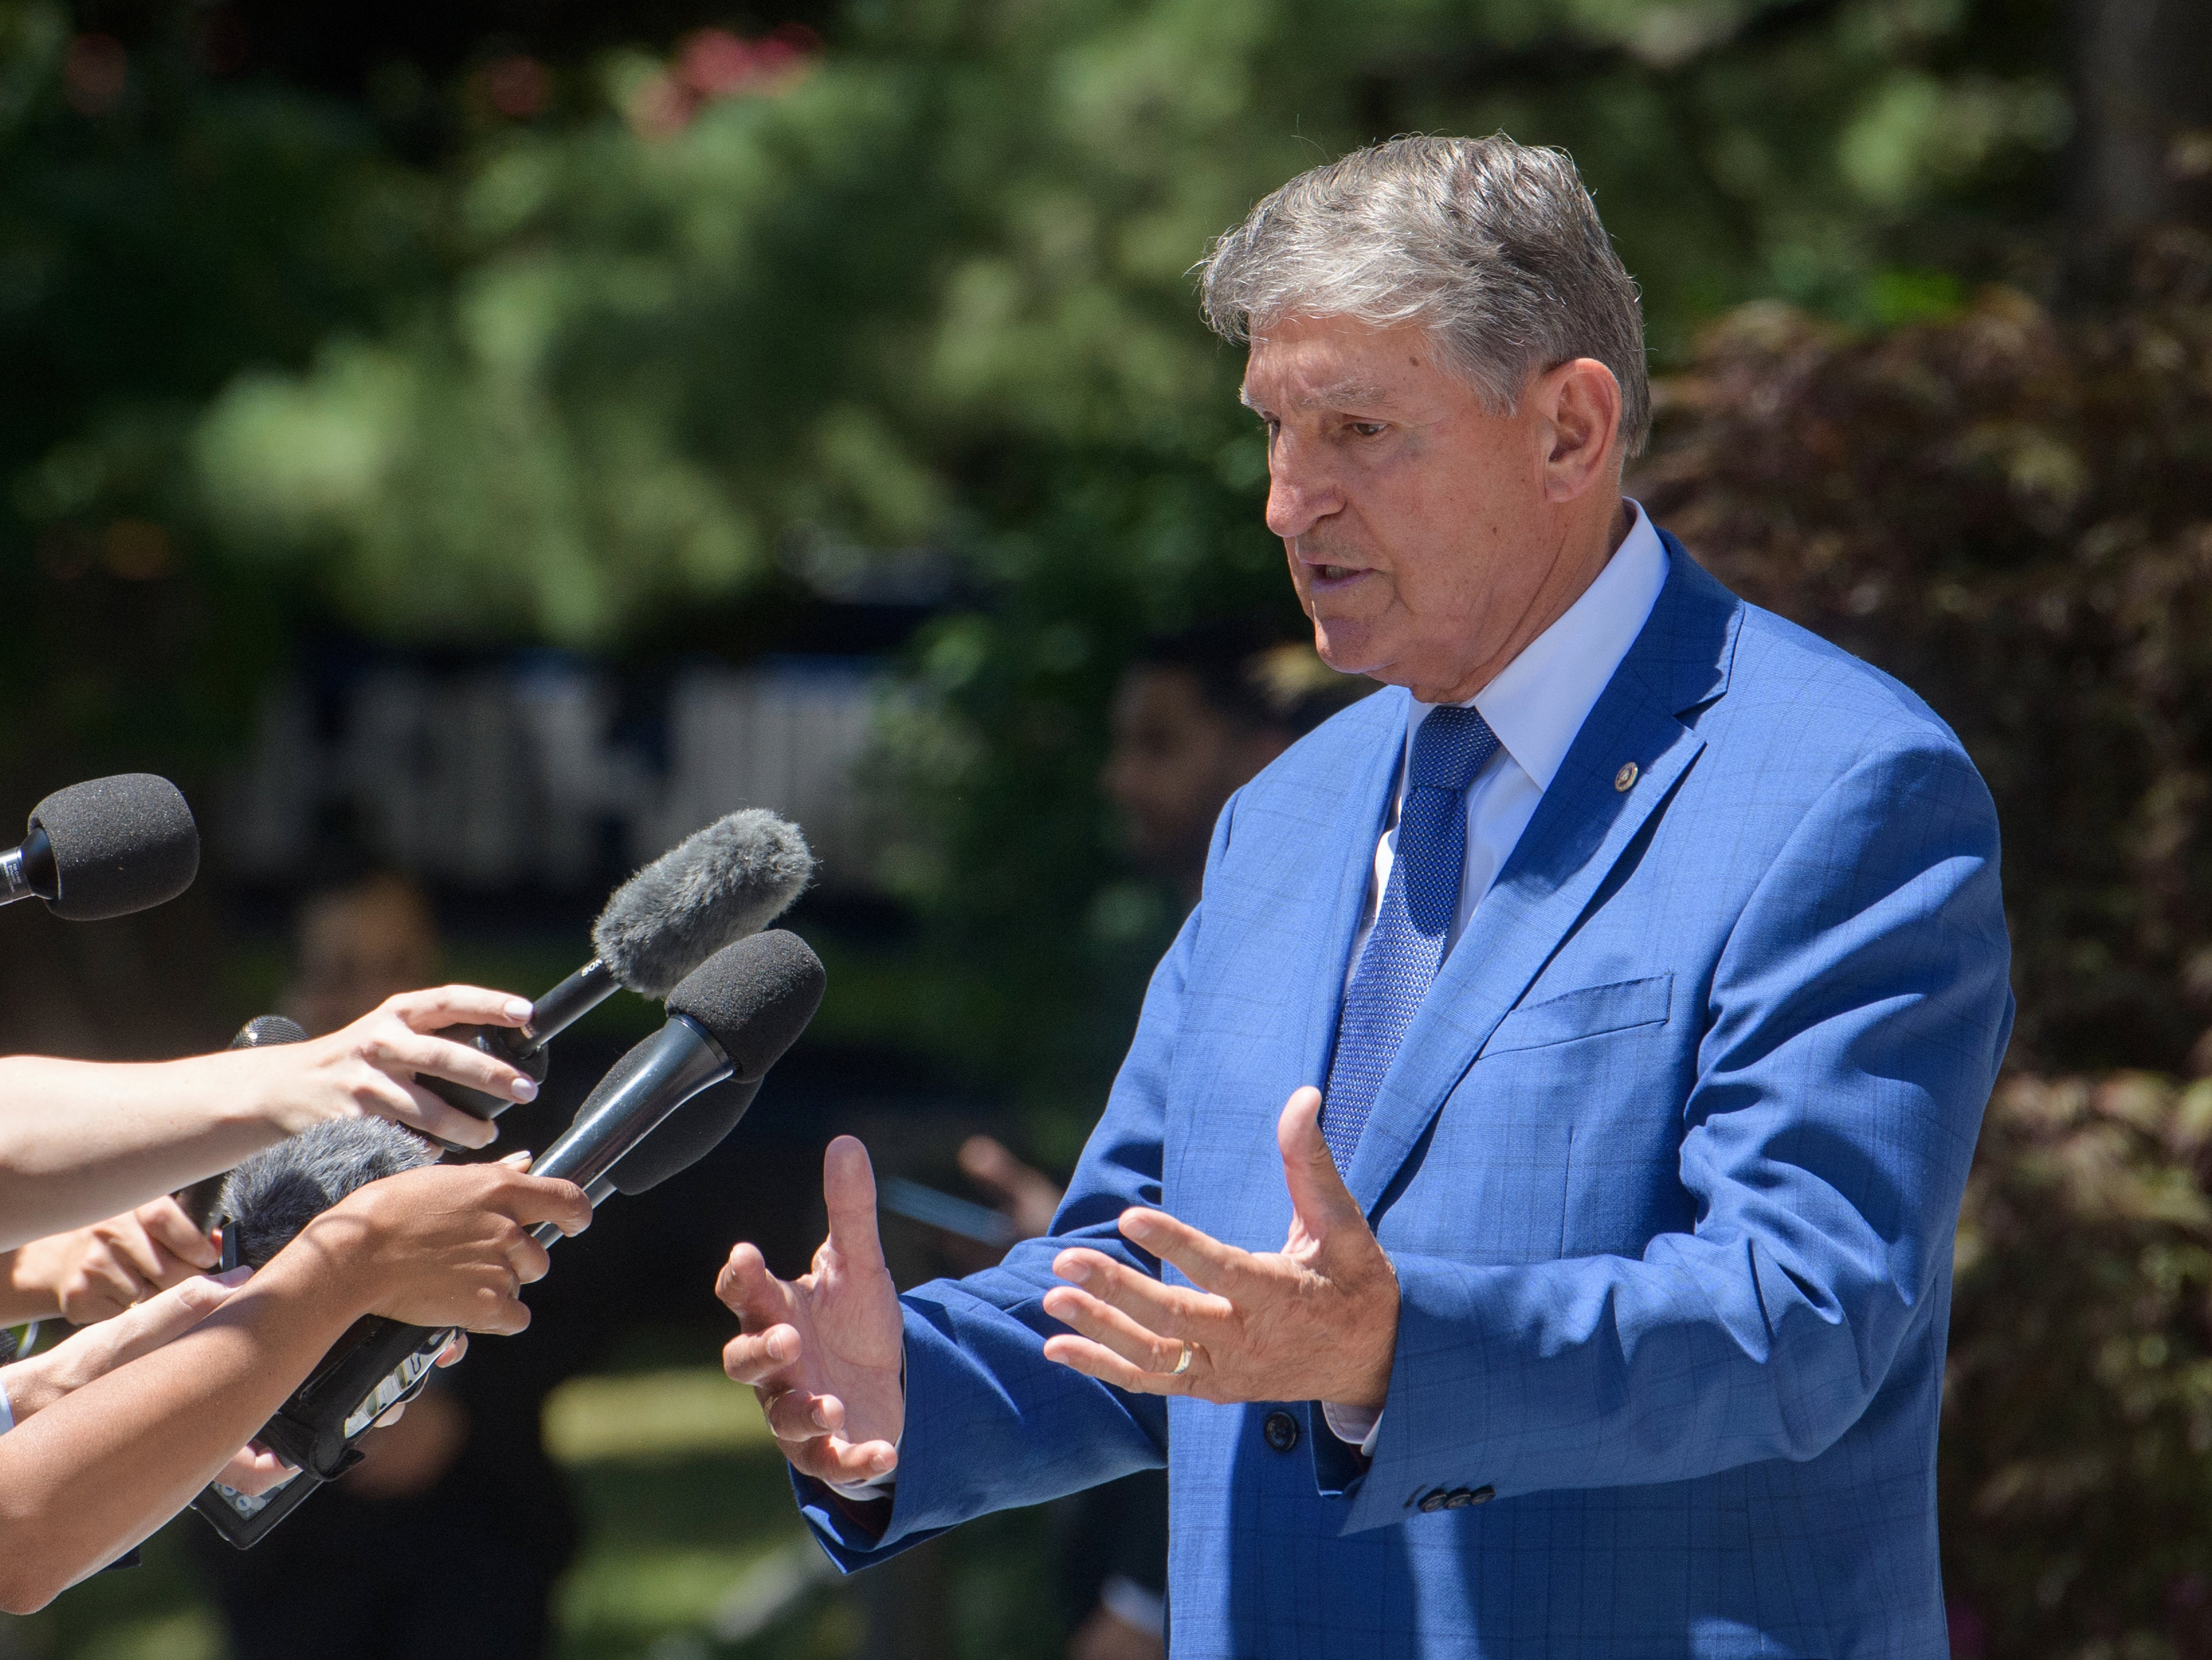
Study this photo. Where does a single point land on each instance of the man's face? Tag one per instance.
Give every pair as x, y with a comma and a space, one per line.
357, 948
1175, 762
1415, 519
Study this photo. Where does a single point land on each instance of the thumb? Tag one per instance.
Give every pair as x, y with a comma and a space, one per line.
848, 1191
1319, 1199
143, 1329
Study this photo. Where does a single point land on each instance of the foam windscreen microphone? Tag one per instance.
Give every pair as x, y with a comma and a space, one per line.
731, 1018
104, 849
717, 886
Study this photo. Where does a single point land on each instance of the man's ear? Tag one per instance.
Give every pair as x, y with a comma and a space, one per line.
1580, 401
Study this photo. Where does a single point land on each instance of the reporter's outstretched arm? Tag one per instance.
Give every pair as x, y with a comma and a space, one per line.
102, 1467
80, 1141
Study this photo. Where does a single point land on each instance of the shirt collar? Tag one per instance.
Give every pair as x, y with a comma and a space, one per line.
1540, 700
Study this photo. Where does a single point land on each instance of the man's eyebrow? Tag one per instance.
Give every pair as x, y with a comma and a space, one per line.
1345, 394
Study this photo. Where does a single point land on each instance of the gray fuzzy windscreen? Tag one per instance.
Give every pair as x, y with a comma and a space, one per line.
729, 880
280, 1189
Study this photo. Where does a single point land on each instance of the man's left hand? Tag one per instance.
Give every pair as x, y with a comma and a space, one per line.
1315, 1321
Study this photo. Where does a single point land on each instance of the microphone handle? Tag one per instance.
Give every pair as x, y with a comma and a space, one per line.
632, 1101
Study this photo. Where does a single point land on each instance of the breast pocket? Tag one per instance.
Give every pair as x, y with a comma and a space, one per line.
1591, 1012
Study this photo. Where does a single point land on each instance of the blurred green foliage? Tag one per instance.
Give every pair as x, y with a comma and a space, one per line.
633, 329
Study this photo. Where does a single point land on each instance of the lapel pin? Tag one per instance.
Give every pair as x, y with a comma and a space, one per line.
1625, 777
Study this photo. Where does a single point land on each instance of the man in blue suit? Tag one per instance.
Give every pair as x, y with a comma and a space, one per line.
1636, 974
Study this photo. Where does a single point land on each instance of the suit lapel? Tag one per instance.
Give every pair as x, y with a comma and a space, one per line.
1581, 828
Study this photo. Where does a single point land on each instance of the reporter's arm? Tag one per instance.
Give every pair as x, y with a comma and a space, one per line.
103, 1467
80, 1141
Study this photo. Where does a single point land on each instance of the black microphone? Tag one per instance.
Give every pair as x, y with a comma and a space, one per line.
104, 849
718, 885
733, 1017
199, 1200
730, 1017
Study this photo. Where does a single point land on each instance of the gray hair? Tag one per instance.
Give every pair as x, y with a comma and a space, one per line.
1495, 247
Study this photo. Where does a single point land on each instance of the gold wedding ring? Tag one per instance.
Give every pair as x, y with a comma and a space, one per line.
1182, 1363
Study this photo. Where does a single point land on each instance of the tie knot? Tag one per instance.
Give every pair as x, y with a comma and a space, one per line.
1450, 747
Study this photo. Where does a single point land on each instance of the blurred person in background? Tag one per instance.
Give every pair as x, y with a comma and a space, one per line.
1196, 715
448, 1536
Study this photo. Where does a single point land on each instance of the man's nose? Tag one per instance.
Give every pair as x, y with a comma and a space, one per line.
1301, 492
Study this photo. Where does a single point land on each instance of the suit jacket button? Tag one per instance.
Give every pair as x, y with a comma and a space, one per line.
1280, 1430
1458, 1498
1482, 1495
1432, 1502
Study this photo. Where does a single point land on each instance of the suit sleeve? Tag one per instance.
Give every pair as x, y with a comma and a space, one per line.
1853, 1029
991, 1423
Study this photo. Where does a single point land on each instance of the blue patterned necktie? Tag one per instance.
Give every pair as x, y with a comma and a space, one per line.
1407, 946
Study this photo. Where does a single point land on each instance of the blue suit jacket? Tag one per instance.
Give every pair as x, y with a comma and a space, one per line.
1668, 1166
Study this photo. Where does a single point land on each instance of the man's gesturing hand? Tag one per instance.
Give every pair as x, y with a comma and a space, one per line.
1315, 1321
823, 1352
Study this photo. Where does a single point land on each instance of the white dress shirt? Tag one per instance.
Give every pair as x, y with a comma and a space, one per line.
1535, 706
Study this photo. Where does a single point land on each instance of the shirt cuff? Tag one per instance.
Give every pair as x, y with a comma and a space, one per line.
875, 1486
7, 1411
1355, 1426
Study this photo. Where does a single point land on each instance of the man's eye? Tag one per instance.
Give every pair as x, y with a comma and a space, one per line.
1368, 428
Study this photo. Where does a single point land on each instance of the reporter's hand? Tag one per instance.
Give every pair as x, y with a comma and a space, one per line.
824, 1352
1026, 1197
94, 1274
36, 1383
369, 1068
445, 1245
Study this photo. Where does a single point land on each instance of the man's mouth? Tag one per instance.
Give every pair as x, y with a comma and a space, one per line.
1335, 574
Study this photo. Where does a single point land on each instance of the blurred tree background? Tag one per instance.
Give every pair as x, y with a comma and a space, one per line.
522, 321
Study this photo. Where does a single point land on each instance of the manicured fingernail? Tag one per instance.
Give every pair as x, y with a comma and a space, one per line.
234, 1278
517, 1009
779, 1347
1074, 1269
524, 1089
821, 1419
518, 1160
882, 1462
1136, 1227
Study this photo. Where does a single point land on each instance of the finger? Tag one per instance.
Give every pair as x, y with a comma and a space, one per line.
528, 1259
748, 1289
166, 1222
1096, 1360
1206, 1261
1318, 1195
1104, 1324
828, 1458
848, 1190
520, 1161
452, 1354
132, 1249
531, 1200
496, 1313
985, 1161
254, 1470
162, 1317
1171, 1311
442, 1057
760, 1359
800, 1415
458, 1006
406, 1102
